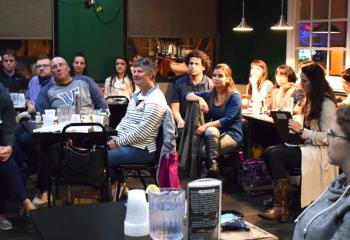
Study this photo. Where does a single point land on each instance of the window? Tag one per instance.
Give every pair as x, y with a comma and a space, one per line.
321, 28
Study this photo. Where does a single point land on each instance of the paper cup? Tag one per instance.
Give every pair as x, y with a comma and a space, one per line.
48, 120
136, 222
50, 112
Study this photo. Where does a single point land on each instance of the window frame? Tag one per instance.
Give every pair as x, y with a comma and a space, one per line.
291, 49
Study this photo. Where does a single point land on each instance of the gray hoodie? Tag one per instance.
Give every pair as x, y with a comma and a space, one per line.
329, 216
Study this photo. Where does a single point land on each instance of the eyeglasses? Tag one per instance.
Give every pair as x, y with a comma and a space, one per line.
331, 134
43, 66
58, 65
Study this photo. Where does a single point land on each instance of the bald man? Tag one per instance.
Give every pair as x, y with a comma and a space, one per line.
61, 92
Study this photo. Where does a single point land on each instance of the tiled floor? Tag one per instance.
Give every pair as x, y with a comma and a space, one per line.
231, 199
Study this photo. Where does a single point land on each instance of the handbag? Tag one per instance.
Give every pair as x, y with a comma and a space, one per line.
83, 165
253, 175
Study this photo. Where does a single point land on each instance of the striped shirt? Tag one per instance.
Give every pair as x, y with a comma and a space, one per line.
140, 125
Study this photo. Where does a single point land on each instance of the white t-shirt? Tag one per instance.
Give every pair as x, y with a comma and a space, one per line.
121, 87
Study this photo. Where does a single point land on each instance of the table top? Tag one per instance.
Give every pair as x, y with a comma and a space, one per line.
261, 117
94, 221
104, 221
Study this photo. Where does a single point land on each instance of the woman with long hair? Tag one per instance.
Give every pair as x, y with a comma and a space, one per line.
120, 83
223, 133
284, 86
79, 65
258, 86
318, 108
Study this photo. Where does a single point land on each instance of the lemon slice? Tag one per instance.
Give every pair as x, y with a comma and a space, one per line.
153, 188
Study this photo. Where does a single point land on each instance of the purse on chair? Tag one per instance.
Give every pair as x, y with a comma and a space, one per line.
83, 165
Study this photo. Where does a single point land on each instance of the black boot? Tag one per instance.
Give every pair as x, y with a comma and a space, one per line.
212, 145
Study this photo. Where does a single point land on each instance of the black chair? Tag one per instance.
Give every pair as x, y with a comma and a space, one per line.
87, 165
138, 170
117, 107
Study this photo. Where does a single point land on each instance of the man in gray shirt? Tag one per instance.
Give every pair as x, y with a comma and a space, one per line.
61, 92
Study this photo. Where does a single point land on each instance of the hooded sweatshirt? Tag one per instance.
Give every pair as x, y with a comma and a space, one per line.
329, 216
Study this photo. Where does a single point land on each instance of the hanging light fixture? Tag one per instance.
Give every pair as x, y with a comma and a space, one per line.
243, 26
282, 24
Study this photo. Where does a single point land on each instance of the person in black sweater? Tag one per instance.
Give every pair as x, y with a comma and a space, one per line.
10, 175
13, 81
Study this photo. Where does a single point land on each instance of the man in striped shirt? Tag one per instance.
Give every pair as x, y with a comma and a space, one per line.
138, 130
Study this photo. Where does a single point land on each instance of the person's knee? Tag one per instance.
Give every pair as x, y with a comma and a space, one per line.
212, 132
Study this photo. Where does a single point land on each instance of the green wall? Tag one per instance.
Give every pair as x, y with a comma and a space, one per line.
238, 49
80, 30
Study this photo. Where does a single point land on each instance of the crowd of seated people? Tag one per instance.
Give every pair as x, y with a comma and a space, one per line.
54, 86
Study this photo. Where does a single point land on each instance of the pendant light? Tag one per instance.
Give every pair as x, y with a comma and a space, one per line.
243, 26
282, 24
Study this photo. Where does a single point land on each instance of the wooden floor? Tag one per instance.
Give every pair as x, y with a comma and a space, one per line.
231, 199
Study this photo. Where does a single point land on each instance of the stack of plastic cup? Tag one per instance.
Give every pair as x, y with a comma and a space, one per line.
136, 222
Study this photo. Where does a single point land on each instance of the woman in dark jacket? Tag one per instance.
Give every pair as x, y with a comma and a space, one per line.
10, 175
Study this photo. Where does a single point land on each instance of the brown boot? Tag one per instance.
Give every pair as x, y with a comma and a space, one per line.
280, 202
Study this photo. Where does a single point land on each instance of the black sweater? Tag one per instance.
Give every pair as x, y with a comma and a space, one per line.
7, 116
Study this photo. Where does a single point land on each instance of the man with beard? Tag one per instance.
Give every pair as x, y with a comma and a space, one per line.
43, 77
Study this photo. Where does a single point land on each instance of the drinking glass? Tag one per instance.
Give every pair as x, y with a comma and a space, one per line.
166, 213
267, 102
64, 114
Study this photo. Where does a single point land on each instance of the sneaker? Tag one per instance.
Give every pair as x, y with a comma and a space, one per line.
5, 224
40, 199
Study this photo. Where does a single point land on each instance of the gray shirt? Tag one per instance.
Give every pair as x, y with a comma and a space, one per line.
329, 216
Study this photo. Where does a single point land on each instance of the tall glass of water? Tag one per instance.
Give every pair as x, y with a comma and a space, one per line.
166, 213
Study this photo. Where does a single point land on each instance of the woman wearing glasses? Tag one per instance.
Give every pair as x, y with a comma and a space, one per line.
318, 108
120, 83
329, 216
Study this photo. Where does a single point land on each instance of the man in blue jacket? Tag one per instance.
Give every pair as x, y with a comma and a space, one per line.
61, 92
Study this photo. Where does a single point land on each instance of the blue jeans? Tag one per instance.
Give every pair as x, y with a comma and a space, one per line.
11, 179
128, 155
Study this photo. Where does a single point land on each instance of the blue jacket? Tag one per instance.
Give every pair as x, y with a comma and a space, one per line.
229, 115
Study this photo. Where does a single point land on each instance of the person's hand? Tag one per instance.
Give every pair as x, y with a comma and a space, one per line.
30, 107
111, 144
201, 129
295, 125
253, 80
181, 124
203, 106
5, 153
